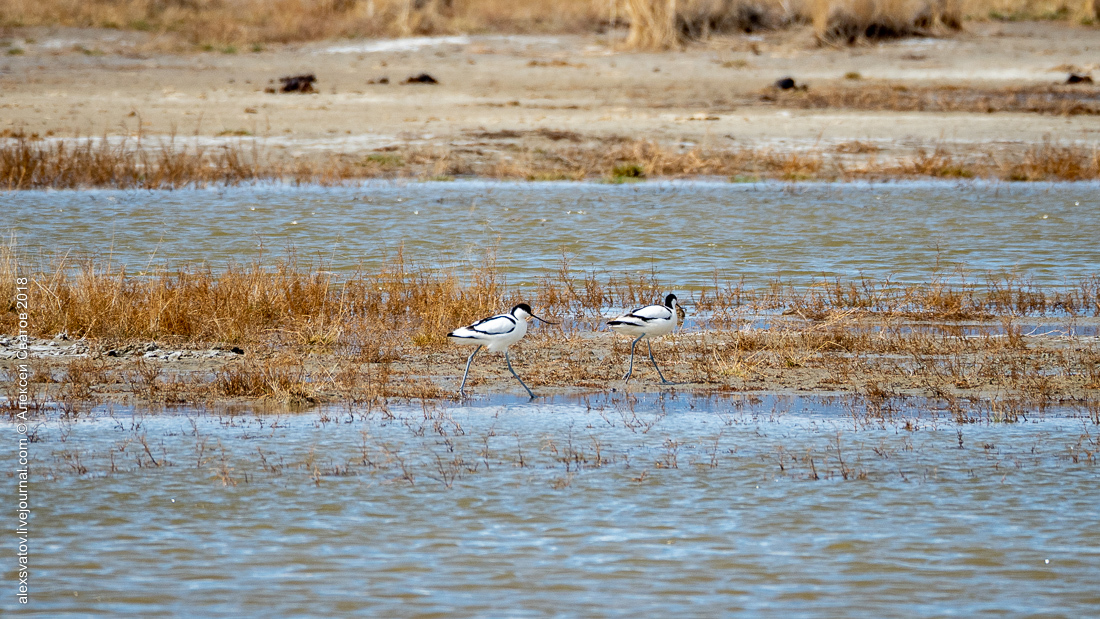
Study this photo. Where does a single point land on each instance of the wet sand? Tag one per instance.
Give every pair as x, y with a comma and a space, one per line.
1043, 365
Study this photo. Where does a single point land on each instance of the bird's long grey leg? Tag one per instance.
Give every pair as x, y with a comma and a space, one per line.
509, 362
461, 390
650, 344
631, 370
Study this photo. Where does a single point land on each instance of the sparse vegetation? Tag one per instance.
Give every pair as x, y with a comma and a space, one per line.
228, 25
307, 336
1045, 99
28, 163
653, 24
851, 21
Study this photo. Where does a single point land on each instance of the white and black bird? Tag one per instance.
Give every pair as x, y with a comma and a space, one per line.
496, 333
648, 322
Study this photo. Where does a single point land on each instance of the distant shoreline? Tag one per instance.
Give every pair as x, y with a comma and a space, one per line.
27, 163
992, 102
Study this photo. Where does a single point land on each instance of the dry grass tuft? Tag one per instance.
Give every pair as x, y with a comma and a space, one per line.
857, 147
1053, 162
282, 377
850, 21
668, 24
652, 24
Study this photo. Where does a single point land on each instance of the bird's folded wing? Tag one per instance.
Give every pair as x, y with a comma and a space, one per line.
652, 312
497, 325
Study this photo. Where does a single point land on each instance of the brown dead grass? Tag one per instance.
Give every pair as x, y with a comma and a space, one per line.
668, 24
310, 336
27, 163
304, 307
282, 304
222, 22
654, 24
852, 21
368, 338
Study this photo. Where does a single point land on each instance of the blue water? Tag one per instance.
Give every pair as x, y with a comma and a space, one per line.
663, 506
613, 506
685, 233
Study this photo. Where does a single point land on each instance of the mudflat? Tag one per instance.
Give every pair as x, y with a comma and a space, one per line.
495, 94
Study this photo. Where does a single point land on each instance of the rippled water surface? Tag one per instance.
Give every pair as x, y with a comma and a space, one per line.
660, 507
663, 506
685, 232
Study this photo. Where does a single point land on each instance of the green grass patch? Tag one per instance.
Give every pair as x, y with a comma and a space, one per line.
551, 176
627, 173
386, 160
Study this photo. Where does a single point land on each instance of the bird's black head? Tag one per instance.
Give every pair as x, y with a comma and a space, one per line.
670, 300
526, 309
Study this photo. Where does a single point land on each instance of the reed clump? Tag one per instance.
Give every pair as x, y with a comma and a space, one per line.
282, 304
282, 377
668, 24
1051, 161
27, 162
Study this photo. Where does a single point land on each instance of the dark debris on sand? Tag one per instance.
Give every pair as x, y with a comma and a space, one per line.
423, 78
302, 84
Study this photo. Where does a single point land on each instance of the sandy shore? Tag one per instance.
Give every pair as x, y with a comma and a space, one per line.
69, 83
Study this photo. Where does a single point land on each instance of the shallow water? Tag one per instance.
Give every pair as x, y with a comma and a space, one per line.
606, 506
663, 506
684, 232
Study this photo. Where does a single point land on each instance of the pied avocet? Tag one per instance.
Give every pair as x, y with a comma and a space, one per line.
496, 333
648, 321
